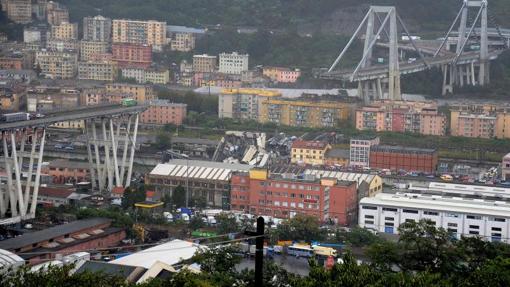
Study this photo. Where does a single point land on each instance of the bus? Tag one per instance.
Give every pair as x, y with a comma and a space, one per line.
300, 250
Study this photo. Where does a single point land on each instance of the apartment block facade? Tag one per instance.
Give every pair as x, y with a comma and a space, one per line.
309, 152
306, 111
19, 11
97, 71
132, 55
243, 103
204, 63
162, 112
401, 116
281, 75
57, 65
90, 49
481, 121
360, 150
183, 42
142, 76
142, 93
233, 63
97, 29
152, 33
65, 31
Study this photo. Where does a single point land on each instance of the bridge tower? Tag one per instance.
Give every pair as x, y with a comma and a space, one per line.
388, 86
459, 73
18, 195
111, 151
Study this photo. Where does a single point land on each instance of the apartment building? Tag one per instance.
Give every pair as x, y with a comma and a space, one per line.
97, 71
281, 74
61, 45
142, 76
182, 42
98, 96
306, 111
204, 63
36, 34
56, 14
459, 216
65, 31
132, 55
19, 11
505, 168
309, 152
480, 121
142, 93
91, 49
162, 112
57, 65
216, 79
401, 116
360, 150
233, 63
152, 33
97, 29
285, 195
243, 103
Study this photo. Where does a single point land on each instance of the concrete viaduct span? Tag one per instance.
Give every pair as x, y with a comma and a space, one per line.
111, 130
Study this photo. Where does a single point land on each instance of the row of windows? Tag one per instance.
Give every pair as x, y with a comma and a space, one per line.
433, 213
287, 204
291, 186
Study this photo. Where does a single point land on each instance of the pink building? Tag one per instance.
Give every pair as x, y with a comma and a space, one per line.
401, 116
162, 112
281, 75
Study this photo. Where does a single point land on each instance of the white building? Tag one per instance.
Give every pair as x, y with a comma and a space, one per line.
460, 216
360, 151
143, 76
505, 168
233, 63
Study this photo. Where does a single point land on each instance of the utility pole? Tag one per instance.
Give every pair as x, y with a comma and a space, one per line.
259, 251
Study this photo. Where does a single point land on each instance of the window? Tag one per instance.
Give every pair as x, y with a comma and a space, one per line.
477, 217
388, 224
498, 219
474, 226
389, 209
474, 232
300, 205
389, 218
369, 216
452, 224
292, 204
409, 220
410, 211
369, 222
369, 207
496, 229
451, 215
430, 213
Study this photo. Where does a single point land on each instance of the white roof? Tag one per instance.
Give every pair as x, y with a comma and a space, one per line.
169, 253
438, 203
344, 176
8, 259
198, 169
463, 189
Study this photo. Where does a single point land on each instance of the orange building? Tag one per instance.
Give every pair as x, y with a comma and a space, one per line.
281, 196
281, 75
65, 171
162, 112
132, 55
141, 93
9, 63
402, 116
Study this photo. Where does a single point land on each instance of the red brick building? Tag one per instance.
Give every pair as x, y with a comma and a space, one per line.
80, 235
7, 63
281, 196
403, 158
128, 55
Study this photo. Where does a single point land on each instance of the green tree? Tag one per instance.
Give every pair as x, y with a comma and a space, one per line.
195, 223
360, 237
163, 141
300, 227
179, 196
226, 223
199, 202
133, 195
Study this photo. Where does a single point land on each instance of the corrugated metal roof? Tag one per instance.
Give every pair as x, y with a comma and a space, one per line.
198, 169
8, 259
346, 176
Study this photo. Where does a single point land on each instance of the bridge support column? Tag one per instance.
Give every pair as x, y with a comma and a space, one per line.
21, 202
447, 79
109, 163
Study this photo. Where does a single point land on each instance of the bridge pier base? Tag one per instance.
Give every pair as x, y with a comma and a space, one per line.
115, 170
19, 196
